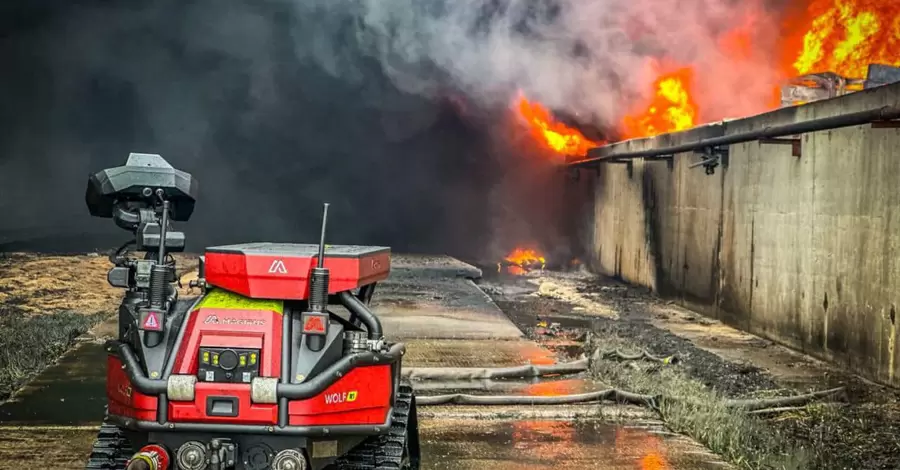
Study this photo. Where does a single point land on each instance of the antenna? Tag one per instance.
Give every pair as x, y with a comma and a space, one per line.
321, 261
318, 283
163, 228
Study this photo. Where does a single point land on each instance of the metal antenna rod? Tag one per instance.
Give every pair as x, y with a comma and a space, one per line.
163, 228
321, 261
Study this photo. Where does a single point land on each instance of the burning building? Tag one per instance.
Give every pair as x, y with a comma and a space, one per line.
824, 49
787, 233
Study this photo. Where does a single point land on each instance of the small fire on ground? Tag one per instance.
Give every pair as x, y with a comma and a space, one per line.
521, 261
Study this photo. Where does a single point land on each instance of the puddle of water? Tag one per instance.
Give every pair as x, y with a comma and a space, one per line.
534, 445
71, 392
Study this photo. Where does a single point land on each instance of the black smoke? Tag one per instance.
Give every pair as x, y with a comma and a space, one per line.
273, 111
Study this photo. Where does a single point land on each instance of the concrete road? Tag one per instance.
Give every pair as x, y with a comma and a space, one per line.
431, 303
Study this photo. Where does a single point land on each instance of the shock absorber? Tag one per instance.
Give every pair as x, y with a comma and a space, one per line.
151, 457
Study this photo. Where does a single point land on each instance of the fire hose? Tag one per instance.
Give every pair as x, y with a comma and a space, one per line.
453, 377
528, 371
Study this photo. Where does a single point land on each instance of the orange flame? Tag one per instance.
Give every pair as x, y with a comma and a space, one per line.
553, 134
845, 36
522, 260
671, 108
525, 257
840, 36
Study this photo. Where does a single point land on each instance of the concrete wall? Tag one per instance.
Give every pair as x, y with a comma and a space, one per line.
803, 251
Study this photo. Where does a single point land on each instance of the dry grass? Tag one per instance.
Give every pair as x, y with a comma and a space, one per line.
848, 436
29, 344
690, 408
46, 301
37, 284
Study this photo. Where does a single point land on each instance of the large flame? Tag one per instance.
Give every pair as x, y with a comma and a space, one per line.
840, 36
555, 135
845, 36
670, 109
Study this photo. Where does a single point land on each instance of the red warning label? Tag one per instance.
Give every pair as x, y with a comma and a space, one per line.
152, 322
315, 324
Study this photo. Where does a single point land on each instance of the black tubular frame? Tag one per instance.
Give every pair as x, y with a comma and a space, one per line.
607, 154
305, 431
284, 391
362, 313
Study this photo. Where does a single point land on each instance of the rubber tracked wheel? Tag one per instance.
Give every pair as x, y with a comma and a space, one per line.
397, 449
111, 449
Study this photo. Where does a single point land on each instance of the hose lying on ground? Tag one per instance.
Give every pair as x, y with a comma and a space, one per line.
756, 406
527, 371
610, 394
474, 373
643, 355
477, 385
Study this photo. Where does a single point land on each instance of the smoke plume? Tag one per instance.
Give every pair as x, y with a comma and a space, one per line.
587, 58
396, 111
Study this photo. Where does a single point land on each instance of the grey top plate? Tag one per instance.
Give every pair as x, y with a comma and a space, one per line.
298, 249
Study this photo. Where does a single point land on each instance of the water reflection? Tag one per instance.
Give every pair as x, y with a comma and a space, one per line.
647, 449
553, 388
543, 440
537, 356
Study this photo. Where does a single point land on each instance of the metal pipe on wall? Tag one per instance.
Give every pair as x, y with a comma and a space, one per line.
885, 113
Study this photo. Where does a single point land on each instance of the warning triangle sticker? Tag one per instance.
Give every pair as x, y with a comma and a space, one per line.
151, 322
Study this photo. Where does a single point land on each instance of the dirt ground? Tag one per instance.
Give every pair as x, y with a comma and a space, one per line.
859, 430
46, 302
36, 284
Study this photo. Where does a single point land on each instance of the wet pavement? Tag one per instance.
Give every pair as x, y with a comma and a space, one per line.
434, 297
558, 444
69, 393
431, 303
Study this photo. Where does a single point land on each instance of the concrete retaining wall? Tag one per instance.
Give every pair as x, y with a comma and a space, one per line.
803, 251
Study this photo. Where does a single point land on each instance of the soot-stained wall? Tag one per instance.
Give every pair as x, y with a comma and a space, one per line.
800, 250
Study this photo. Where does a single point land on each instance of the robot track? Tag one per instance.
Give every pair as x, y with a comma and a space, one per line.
111, 449
396, 450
